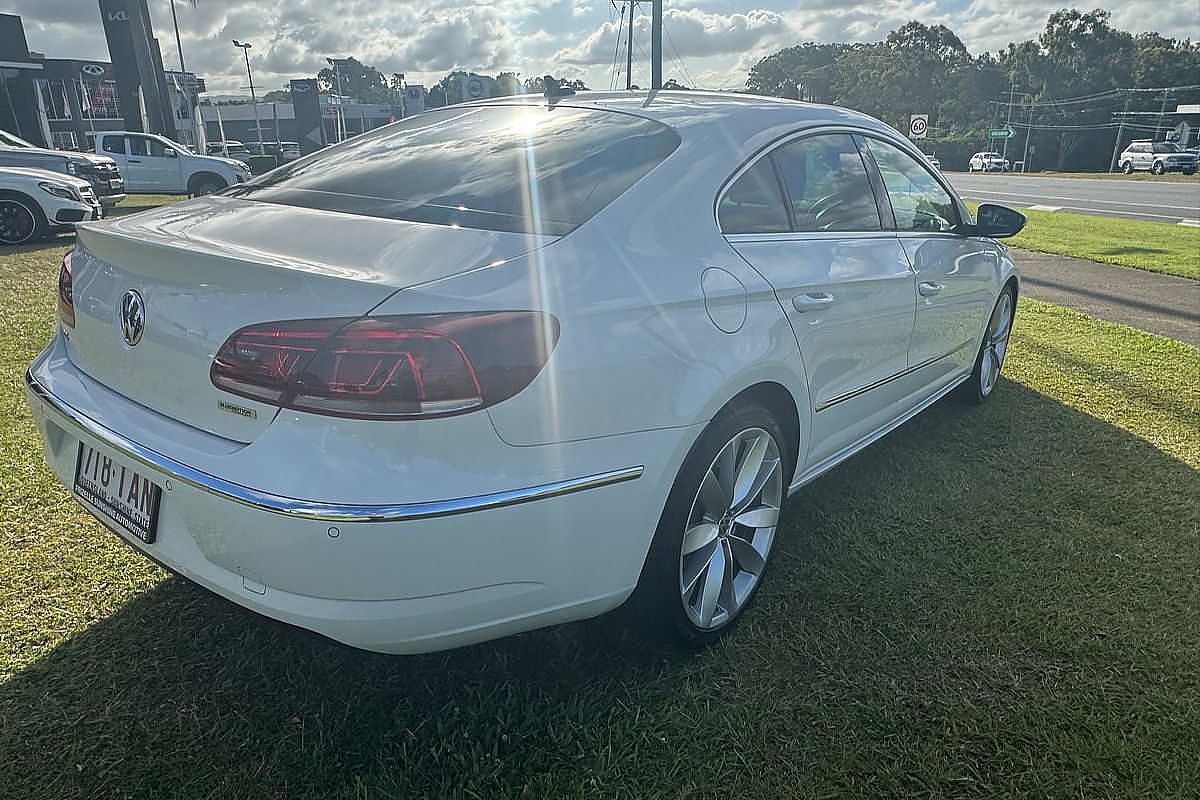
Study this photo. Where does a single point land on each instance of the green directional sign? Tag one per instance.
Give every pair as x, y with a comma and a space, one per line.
1001, 133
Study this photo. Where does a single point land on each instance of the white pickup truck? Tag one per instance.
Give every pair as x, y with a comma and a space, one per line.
156, 165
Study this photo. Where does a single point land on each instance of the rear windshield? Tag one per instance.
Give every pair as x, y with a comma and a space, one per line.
506, 168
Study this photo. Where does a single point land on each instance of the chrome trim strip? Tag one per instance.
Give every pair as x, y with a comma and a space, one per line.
820, 468
312, 509
882, 381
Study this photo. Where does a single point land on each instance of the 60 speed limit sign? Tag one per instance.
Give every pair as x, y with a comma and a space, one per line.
918, 125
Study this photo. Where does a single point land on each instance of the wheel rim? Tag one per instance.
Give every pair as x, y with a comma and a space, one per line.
995, 344
16, 222
730, 529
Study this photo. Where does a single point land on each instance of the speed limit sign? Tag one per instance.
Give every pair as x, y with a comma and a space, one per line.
918, 126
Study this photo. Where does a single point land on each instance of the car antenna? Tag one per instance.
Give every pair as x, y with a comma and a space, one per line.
555, 91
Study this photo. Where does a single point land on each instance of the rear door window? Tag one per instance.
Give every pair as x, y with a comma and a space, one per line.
506, 168
827, 184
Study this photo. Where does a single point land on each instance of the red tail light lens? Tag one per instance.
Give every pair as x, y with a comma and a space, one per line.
66, 297
398, 367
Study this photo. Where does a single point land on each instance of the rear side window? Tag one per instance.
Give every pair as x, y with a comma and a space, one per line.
827, 184
506, 168
754, 203
114, 144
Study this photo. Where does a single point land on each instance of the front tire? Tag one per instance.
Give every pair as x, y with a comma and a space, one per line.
21, 220
713, 541
1158, 168
207, 186
988, 363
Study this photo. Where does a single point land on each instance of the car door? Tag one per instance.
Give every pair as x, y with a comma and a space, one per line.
955, 274
156, 167
805, 216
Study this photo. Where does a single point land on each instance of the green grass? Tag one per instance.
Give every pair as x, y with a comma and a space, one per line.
1153, 246
134, 203
1173, 177
995, 602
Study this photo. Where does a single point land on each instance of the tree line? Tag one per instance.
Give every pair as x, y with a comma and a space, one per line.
1075, 89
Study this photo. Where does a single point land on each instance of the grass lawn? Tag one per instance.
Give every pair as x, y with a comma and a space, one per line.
1154, 246
997, 602
1174, 177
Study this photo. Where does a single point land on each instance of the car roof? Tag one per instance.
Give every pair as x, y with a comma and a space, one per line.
747, 119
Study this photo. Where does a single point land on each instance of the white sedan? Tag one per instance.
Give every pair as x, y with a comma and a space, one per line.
507, 364
38, 202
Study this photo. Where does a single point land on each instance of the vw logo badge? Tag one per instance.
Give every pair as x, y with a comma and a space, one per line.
133, 317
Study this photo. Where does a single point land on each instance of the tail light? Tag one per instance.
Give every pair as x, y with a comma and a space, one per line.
395, 367
66, 297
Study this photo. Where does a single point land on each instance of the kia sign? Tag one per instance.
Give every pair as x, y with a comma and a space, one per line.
918, 126
95, 70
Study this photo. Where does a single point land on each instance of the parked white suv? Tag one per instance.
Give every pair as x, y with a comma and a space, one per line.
156, 165
37, 202
988, 162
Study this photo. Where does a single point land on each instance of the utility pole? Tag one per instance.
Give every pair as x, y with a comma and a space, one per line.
1012, 92
629, 48
1161, 111
245, 48
1028, 128
656, 23
1120, 134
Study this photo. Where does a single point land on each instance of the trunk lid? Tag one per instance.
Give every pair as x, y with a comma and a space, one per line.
205, 268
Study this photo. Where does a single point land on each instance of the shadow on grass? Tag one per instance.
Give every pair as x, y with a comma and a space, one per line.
988, 602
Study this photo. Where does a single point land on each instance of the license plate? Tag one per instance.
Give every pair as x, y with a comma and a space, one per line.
119, 490
116, 183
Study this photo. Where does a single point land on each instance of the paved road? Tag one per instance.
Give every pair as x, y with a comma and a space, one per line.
1158, 201
1161, 304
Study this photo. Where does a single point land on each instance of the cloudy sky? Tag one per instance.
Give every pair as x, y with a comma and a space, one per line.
711, 43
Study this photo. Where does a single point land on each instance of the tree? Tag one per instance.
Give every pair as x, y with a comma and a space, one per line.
351, 78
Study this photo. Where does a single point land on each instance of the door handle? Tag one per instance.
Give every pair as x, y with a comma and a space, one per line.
810, 302
135, 161
929, 288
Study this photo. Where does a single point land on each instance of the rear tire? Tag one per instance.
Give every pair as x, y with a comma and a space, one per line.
713, 541
988, 363
21, 220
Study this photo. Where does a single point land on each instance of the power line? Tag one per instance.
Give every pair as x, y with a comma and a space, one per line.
612, 81
679, 59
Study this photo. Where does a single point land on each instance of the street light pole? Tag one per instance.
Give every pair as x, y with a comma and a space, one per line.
245, 48
1012, 93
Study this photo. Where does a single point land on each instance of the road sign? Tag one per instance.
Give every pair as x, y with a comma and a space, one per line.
1001, 133
918, 126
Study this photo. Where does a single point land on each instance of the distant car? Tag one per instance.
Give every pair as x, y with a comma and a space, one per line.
1157, 157
418, 393
229, 149
988, 162
934, 162
155, 164
100, 171
38, 202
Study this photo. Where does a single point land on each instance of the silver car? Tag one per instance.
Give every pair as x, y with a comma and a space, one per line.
1157, 157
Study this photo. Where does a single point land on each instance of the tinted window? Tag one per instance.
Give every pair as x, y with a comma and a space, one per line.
918, 200
827, 183
526, 168
1167, 147
144, 146
114, 144
754, 203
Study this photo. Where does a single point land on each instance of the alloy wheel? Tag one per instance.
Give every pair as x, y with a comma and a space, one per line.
730, 529
995, 343
17, 222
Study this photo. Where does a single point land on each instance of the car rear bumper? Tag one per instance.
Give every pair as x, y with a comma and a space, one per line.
403, 578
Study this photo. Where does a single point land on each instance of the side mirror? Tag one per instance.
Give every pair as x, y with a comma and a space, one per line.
997, 222
169, 153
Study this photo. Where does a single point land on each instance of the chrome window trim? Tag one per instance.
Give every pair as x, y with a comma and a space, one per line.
68, 416
782, 141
